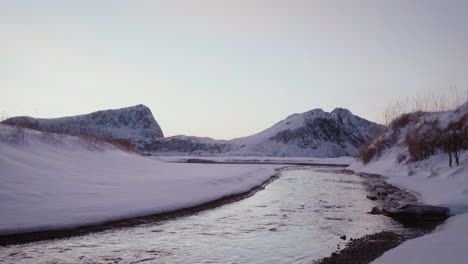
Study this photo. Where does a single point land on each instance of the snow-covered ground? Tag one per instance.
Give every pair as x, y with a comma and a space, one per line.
436, 184
51, 181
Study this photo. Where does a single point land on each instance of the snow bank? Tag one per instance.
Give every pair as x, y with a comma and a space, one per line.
436, 184
51, 181
448, 244
432, 180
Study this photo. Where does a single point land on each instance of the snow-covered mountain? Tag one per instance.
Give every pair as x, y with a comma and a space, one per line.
311, 134
135, 123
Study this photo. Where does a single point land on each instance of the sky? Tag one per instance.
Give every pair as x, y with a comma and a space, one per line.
226, 69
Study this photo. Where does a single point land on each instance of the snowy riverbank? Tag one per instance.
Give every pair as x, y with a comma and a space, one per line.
436, 184
430, 178
51, 181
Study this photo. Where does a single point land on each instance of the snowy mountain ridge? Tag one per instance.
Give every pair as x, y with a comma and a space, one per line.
316, 125
315, 133
136, 123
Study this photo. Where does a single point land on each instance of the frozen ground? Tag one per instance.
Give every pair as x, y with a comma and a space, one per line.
51, 181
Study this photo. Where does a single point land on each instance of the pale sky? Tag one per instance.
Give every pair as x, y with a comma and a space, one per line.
226, 69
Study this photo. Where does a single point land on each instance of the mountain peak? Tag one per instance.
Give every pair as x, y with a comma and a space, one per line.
341, 111
134, 122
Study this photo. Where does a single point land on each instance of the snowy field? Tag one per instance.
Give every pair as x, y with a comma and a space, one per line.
51, 181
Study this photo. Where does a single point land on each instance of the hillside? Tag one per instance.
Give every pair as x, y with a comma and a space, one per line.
315, 133
426, 153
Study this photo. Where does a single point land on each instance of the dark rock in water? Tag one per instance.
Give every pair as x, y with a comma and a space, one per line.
376, 210
372, 198
417, 215
343, 237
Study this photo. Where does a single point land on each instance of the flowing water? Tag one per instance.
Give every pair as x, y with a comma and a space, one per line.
297, 218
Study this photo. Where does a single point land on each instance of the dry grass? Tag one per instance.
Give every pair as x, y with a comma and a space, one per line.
125, 144
426, 103
422, 138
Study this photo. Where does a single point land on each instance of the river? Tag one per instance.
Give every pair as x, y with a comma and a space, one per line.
297, 218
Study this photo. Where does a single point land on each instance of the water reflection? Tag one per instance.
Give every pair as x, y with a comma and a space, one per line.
296, 219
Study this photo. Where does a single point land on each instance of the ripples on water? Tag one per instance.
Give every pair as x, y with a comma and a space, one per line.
296, 219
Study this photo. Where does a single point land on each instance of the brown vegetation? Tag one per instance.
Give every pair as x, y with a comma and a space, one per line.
425, 103
125, 144
422, 138
387, 138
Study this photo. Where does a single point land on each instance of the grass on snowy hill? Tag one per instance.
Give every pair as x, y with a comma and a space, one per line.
423, 134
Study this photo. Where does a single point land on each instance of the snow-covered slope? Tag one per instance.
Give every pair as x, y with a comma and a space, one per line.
412, 153
50, 181
135, 123
311, 134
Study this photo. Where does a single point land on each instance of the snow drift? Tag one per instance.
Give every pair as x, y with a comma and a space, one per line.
53, 181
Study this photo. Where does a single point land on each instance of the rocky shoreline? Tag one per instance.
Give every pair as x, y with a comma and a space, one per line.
416, 219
